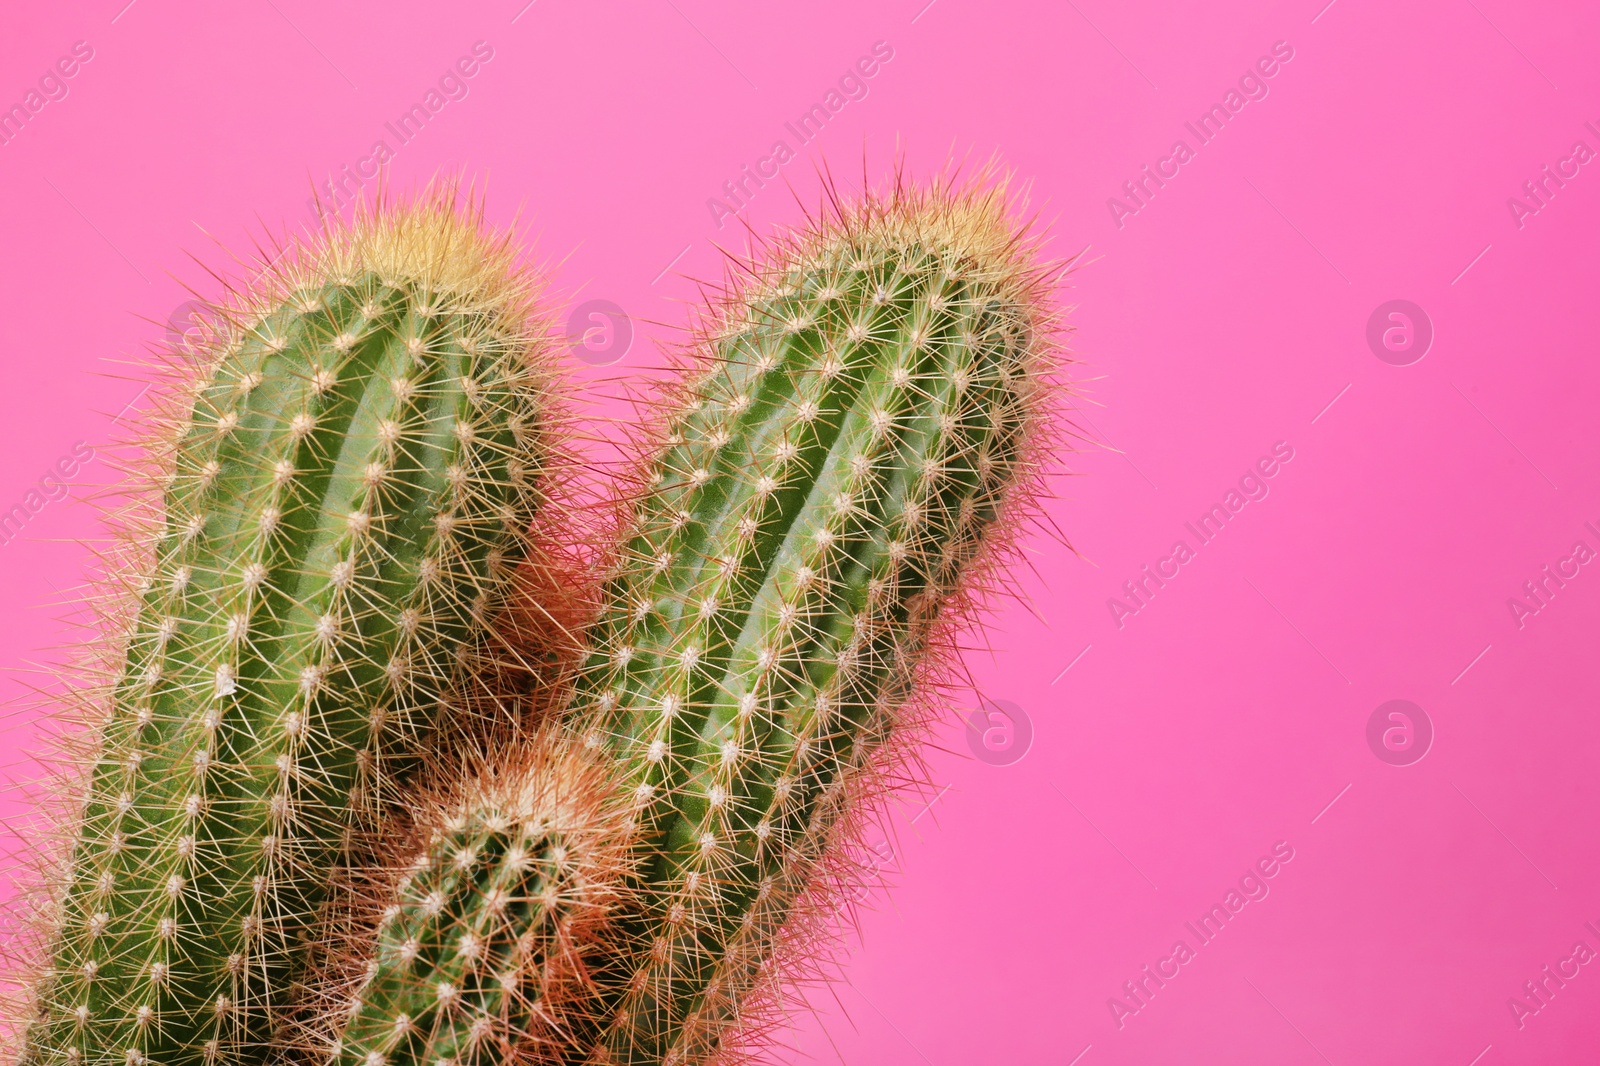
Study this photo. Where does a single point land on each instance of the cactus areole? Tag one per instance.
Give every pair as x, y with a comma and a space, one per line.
341, 506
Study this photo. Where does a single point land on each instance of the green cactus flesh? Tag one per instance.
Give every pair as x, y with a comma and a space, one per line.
345, 500
822, 496
480, 952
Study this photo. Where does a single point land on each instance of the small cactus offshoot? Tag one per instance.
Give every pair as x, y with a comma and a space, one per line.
485, 938
343, 481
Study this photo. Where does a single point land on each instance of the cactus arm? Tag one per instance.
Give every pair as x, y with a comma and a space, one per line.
338, 519
445, 982
481, 953
821, 499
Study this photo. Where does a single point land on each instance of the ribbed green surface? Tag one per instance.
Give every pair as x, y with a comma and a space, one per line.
836, 472
457, 973
348, 499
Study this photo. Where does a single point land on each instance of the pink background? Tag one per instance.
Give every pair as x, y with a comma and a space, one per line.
1225, 316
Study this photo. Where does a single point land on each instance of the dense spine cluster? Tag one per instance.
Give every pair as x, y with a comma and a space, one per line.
853, 448
483, 947
341, 507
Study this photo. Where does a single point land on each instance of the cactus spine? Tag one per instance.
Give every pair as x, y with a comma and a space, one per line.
351, 473
866, 426
486, 943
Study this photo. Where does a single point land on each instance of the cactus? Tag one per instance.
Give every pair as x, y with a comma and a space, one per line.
835, 481
485, 938
345, 482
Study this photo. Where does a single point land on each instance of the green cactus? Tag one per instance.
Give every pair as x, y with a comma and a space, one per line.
348, 481
485, 943
865, 429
